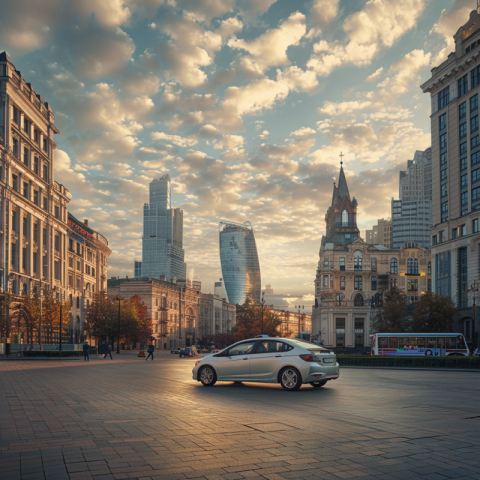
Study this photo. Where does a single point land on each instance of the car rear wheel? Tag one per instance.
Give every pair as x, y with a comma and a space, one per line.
208, 377
290, 379
318, 384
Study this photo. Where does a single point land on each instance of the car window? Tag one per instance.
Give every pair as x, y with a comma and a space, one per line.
241, 349
269, 346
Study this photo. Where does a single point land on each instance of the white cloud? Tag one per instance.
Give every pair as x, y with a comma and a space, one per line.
175, 139
342, 108
323, 12
303, 132
374, 75
229, 141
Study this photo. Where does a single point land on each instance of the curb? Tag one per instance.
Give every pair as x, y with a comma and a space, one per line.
413, 368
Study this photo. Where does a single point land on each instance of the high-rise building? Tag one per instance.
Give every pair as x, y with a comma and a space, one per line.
412, 213
454, 88
381, 233
239, 260
137, 269
219, 288
162, 244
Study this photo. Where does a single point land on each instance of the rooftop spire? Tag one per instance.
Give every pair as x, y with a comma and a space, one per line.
342, 182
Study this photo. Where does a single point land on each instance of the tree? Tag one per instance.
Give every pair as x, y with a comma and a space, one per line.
249, 321
392, 316
433, 314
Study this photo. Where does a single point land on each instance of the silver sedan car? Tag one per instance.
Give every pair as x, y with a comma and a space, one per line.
288, 361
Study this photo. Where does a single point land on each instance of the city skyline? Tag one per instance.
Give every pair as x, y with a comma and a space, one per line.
201, 90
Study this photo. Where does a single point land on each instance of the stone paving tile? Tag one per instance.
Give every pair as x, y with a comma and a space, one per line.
155, 423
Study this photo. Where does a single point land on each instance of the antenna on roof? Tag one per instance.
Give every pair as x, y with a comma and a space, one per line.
341, 154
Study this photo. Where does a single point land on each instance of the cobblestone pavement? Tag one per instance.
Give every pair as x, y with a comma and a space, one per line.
131, 419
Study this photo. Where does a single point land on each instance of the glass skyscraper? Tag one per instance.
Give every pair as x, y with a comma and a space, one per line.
239, 260
162, 243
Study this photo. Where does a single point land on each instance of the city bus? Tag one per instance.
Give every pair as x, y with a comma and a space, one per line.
419, 344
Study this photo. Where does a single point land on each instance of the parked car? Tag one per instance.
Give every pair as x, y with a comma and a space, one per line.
188, 352
290, 362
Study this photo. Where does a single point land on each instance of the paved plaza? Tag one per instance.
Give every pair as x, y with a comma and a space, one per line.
132, 419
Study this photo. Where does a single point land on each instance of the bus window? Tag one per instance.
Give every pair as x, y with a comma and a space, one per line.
382, 342
403, 342
413, 341
441, 342
451, 343
421, 342
461, 344
431, 342
393, 342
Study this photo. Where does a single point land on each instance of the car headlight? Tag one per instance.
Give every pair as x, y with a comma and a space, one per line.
197, 362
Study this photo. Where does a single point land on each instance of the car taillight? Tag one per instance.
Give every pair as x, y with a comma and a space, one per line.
309, 358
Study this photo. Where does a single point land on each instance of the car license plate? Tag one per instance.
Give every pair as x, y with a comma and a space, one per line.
328, 360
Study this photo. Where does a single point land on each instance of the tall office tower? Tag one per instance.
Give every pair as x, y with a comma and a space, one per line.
412, 213
239, 260
137, 269
454, 89
380, 234
162, 245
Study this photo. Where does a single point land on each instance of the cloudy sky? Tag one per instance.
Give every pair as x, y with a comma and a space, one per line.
246, 103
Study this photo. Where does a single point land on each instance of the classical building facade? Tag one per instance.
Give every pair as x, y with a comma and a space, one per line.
239, 260
412, 212
88, 254
381, 233
216, 315
172, 307
454, 88
42, 246
162, 243
294, 324
352, 275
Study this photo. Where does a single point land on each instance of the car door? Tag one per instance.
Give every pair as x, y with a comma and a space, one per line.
235, 364
266, 359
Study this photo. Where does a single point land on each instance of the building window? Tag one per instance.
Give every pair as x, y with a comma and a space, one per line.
359, 332
443, 140
57, 212
45, 204
442, 121
444, 211
443, 174
444, 97
15, 147
474, 124
326, 263
342, 264
357, 282
474, 99
412, 266
434, 239
340, 332
342, 283
393, 283
442, 271
475, 175
325, 281
463, 148
412, 284
26, 156
35, 197
35, 165
443, 159
444, 189
440, 237
15, 182
374, 283
475, 225
374, 264
393, 266
462, 110
45, 173
357, 261
25, 189
57, 243
463, 164
358, 300
475, 194
344, 218
462, 230
474, 142
462, 84
463, 131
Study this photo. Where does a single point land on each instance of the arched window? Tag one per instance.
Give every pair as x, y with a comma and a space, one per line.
358, 301
412, 265
357, 261
394, 266
344, 218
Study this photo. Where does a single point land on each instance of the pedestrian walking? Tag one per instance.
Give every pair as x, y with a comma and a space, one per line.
150, 351
86, 351
108, 351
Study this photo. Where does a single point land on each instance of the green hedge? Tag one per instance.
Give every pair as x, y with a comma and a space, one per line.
419, 362
46, 353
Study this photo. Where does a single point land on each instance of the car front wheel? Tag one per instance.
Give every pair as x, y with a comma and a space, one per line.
318, 384
208, 377
290, 379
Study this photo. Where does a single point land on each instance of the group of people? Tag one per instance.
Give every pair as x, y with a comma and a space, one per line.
108, 351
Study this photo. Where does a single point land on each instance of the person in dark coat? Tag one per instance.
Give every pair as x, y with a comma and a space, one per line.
150, 351
108, 351
86, 351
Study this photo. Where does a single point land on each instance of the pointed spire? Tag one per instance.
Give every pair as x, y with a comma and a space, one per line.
342, 185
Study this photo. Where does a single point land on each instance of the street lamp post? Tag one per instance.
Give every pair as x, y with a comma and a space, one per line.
118, 326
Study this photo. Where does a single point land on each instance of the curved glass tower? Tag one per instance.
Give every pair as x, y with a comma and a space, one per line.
239, 260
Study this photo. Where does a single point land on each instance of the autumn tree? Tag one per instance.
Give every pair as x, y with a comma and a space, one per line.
249, 321
433, 314
392, 316
145, 323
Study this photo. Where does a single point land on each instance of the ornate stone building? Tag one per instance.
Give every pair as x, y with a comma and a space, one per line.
216, 315
353, 275
172, 306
